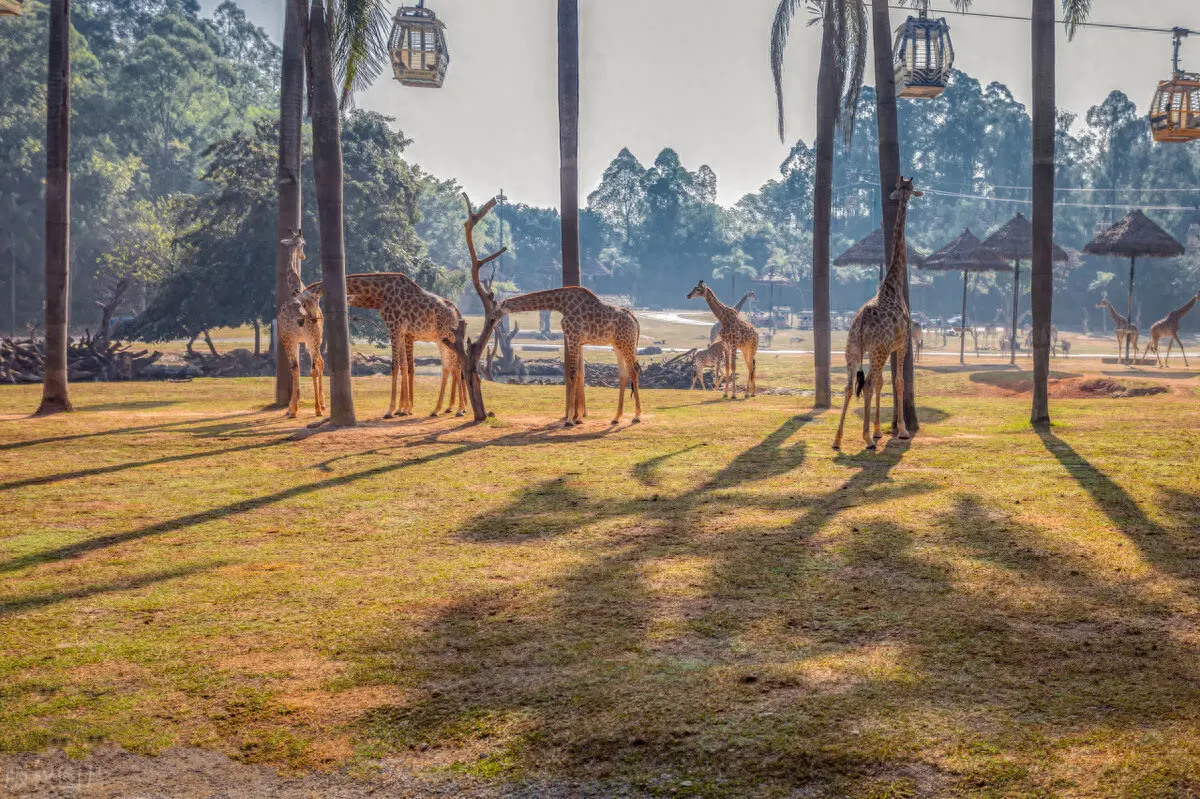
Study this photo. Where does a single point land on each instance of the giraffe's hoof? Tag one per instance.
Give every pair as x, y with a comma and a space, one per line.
636, 420
837, 447
615, 421
568, 423
905, 436
435, 414
877, 436
461, 413
388, 415
871, 447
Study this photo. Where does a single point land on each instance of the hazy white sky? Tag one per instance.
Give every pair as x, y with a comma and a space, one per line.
693, 75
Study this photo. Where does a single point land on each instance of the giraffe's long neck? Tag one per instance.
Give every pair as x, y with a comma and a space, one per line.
1120, 321
357, 293
897, 271
742, 301
293, 272
1185, 308
719, 309
548, 300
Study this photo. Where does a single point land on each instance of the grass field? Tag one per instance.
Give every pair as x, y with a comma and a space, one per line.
711, 603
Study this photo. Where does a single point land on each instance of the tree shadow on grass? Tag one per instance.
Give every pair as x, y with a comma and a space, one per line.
138, 405
22, 604
117, 431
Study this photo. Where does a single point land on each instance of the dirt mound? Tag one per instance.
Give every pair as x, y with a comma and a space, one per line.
1011, 384
1105, 387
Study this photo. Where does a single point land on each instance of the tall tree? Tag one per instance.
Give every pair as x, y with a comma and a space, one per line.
58, 209
568, 137
1044, 130
843, 33
291, 113
328, 174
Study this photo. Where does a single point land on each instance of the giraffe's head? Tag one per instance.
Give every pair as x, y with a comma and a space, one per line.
699, 291
307, 308
904, 190
295, 242
1104, 303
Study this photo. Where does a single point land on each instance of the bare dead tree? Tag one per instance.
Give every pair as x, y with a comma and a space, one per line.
109, 305
469, 351
502, 344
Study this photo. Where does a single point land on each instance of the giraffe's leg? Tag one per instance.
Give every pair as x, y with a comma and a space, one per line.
1175, 338
878, 434
461, 381
730, 373
902, 432
437, 409
581, 401
634, 373
397, 369
294, 367
569, 379
872, 391
750, 354
697, 374
410, 369
622, 378
851, 368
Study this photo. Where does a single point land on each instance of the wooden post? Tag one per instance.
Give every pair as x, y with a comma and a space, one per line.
1012, 332
1132, 261
568, 137
962, 322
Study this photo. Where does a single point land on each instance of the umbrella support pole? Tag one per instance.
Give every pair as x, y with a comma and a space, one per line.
962, 321
1132, 261
1012, 342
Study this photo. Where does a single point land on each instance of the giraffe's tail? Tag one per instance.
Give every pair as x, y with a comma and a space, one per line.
859, 382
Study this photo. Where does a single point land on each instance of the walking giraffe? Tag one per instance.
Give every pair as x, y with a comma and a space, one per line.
712, 357
587, 320
300, 322
1168, 328
715, 332
1127, 333
881, 327
738, 334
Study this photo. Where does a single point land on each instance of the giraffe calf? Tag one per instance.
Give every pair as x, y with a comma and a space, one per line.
713, 357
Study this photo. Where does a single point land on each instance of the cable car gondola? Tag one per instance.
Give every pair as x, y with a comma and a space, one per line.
923, 56
418, 47
1175, 112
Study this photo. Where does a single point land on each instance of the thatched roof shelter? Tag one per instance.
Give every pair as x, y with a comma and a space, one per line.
10, 8
1135, 236
965, 253
1014, 241
870, 252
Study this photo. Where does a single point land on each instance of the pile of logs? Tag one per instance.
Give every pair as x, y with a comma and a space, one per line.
674, 373
23, 360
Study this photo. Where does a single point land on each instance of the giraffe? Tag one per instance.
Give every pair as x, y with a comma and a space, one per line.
1127, 334
411, 314
300, 322
713, 356
1168, 328
881, 327
715, 332
738, 334
587, 320
918, 337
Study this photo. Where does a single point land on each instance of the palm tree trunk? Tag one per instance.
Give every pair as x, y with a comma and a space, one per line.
58, 209
327, 169
1044, 121
827, 110
568, 137
889, 173
291, 114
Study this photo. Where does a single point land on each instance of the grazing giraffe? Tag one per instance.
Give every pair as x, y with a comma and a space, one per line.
738, 334
715, 332
300, 322
410, 314
1127, 334
587, 320
1168, 328
714, 357
881, 327
918, 338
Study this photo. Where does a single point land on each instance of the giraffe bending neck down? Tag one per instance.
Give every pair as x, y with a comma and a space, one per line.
1127, 334
881, 327
1168, 328
300, 322
738, 334
587, 320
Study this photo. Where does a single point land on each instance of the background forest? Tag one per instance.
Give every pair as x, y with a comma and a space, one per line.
173, 197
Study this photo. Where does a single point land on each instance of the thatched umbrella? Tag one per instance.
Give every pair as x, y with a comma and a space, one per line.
870, 252
1135, 235
1014, 242
965, 254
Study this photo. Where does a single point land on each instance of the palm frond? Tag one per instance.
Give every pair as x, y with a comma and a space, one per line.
779, 36
359, 43
1075, 12
923, 5
853, 52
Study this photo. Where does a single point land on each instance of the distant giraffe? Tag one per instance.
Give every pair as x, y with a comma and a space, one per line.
1127, 334
880, 328
1168, 328
738, 334
411, 314
714, 357
300, 322
715, 332
918, 338
587, 320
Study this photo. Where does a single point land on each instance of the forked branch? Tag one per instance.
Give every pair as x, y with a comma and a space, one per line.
468, 350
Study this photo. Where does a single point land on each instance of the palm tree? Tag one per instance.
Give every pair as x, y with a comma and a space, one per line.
291, 113
568, 137
843, 33
1044, 121
58, 209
